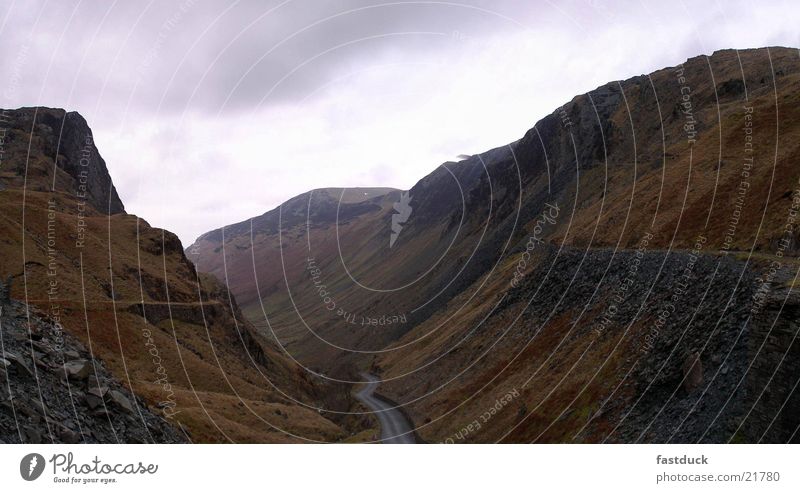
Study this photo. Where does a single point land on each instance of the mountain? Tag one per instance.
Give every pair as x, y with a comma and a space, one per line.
623, 272
169, 339
316, 208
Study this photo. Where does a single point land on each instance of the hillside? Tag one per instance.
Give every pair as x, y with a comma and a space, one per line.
620, 273
55, 391
127, 292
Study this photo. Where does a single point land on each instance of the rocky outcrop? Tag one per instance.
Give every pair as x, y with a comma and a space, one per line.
774, 414
65, 140
54, 391
5, 290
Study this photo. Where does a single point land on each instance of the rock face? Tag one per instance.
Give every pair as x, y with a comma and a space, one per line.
64, 139
39, 405
5, 290
773, 381
81, 157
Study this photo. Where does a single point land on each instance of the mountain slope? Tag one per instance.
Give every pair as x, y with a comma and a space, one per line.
54, 391
130, 295
510, 258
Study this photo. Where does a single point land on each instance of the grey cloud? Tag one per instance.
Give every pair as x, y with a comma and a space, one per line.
165, 51
132, 68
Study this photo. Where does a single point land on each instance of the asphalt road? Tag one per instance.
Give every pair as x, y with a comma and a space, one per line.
395, 428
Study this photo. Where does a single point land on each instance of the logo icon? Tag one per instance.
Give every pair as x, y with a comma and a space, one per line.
399, 218
31, 467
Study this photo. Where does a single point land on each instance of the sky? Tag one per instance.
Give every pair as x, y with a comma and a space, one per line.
208, 112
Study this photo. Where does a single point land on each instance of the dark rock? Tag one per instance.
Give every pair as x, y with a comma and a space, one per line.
38, 360
93, 382
70, 355
78, 370
692, 373
68, 436
32, 435
732, 88
98, 391
119, 399
76, 142
93, 401
18, 362
5, 290
42, 348
101, 413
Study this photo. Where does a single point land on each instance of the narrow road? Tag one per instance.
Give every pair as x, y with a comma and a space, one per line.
395, 428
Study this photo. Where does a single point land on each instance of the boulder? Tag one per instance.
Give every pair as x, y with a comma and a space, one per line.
68, 436
99, 391
18, 362
78, 369
70, 355
93, 401
92, 381
119, 399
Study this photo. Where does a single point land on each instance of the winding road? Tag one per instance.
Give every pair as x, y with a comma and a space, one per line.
395, 428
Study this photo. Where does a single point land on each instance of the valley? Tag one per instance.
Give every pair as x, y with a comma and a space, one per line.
625, 272
637, 234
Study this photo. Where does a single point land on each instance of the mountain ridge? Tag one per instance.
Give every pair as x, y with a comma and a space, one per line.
657, 157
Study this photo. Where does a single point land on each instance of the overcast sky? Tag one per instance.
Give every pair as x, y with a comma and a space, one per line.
210, 112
